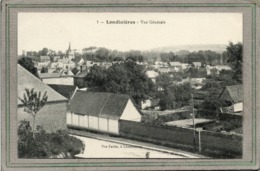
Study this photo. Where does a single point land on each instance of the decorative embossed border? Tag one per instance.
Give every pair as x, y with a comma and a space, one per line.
7, 6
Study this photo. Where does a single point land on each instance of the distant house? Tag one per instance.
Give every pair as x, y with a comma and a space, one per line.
209, 69
56, 65
34, 58
40, 65
79, 61
56, 58
233, 97
106, 65
176, 66
164, 69
197, 83
222, 67
152, 75
184, 66
197, 80
62, 78
89, 63
148, 103
101, 111
97, 63
66, 63
161, 64
197, 64
45, 59
52, 116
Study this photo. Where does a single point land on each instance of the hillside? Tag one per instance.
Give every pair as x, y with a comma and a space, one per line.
214, 47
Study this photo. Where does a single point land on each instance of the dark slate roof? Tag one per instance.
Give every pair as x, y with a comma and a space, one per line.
82, 74
108, 105
65, 90
28, 80
234, 93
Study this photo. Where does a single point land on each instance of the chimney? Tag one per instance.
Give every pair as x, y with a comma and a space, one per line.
80, 68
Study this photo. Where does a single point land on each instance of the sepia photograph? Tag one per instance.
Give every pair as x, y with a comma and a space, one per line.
129, 85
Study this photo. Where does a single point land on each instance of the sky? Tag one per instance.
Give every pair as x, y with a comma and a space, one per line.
56, 30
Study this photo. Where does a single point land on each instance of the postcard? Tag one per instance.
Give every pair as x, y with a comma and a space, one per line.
129, 86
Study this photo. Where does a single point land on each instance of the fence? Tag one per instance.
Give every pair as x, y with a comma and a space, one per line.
211, 143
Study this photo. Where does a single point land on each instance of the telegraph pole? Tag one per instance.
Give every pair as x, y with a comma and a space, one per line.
193, 120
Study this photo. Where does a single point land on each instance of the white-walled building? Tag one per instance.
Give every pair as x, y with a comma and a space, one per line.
62, 78
101, 111
176, 66
152, 75
197, 64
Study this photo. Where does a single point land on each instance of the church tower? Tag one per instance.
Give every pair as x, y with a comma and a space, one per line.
70, 54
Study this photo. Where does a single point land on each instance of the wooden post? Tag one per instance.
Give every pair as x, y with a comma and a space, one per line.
193, 119
199, 143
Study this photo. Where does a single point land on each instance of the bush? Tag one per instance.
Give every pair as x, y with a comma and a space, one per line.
46, 145
175, 116
152, 118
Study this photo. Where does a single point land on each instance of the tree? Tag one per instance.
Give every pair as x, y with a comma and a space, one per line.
33, 102
91, 48
118, 59
234, 55
44, 52
167, 100
125, 78
117, 80
164, 81
175, 96
28, 64
226, 78
151, 118
210, 83
46, 145
44, 70
96, 77
211, 104
102, 54
192, 71
167, 57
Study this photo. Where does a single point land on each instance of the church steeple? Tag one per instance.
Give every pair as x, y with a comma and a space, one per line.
70, 54
69, 48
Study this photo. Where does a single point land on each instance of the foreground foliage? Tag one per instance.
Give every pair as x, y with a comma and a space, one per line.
46, 145
33, 102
